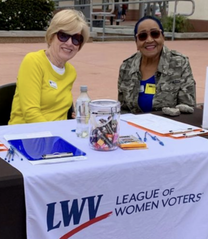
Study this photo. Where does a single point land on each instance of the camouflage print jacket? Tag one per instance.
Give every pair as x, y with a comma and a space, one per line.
174, 82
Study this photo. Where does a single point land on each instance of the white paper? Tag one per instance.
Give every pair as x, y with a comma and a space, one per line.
28, 136
205, 110
159, 124
57, 160
126, 117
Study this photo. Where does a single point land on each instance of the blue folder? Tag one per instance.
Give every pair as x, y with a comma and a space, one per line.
45, 148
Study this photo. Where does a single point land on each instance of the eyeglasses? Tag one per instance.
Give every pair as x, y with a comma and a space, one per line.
142, 36
77, 39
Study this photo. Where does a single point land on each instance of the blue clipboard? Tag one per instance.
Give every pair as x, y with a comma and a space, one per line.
45, 148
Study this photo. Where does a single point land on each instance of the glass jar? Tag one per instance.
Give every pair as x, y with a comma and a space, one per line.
104, 124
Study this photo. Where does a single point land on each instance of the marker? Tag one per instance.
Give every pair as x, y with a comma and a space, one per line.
145, 136
160, 142
153, 137
139, 136
10, 154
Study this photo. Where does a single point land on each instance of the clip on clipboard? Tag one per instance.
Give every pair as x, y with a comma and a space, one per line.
189, 133
181, 134
161, 126
53, 148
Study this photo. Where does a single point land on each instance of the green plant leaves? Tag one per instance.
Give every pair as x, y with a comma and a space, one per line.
182, 24
25, 14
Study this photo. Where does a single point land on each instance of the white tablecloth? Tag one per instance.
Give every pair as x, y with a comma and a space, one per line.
156, 193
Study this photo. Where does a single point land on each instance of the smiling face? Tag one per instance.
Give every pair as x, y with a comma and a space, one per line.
151, 47
61, 52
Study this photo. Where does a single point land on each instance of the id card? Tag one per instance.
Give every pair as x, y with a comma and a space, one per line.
150, 89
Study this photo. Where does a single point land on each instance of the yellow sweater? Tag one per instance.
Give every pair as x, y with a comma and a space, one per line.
41, 94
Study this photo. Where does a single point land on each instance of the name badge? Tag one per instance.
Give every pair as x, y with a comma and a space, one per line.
53, 84
150, 89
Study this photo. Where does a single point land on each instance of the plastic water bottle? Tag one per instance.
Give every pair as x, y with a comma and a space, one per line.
82, 113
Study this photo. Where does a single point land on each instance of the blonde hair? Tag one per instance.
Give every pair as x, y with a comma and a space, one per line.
69, 21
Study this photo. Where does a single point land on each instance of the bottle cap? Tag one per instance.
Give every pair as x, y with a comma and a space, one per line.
83, 88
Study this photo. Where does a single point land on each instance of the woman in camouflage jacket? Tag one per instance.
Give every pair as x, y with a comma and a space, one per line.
154, 77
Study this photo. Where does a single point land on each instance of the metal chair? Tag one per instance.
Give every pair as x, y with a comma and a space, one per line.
6, 97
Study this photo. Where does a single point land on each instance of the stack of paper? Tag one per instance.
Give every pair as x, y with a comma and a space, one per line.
163, 126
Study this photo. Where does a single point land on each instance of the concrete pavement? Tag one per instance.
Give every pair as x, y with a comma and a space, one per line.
97, 64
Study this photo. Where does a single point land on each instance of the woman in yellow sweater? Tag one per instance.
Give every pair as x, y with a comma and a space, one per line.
45, 78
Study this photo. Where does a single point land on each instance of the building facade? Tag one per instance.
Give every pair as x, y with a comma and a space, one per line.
199, 19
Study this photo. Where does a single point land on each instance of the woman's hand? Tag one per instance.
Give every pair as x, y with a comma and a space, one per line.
73, 115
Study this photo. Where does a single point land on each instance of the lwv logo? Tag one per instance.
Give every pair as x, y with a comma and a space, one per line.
72, 213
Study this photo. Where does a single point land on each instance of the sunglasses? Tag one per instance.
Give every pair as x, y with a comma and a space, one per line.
142, 36
77, 39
